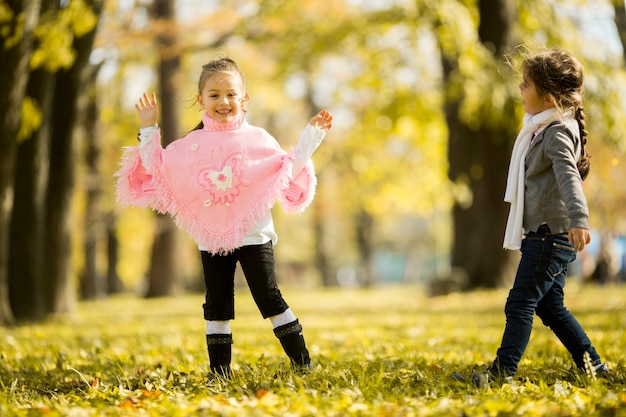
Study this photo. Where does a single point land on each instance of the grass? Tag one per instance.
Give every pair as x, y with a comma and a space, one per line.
383, 352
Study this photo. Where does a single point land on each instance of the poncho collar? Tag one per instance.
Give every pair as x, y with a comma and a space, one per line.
212, 125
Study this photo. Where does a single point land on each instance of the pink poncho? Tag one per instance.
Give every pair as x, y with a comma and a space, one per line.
217, 182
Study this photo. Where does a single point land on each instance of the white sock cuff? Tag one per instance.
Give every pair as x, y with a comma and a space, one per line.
218, 327
283, 318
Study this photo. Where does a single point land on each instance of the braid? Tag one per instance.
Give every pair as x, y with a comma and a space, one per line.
584, 163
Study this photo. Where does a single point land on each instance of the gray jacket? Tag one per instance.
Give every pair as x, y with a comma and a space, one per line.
554, 191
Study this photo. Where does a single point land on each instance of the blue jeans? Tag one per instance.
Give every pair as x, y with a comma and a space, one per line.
538, 288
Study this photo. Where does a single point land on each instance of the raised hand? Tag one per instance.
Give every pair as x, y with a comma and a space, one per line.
322, 120
147, 110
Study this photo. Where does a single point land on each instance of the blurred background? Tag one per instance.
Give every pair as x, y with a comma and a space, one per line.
410, 179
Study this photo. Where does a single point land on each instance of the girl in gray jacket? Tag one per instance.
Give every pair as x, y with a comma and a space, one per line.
548, 218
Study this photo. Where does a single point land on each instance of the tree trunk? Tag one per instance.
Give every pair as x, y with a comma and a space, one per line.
496, 24
620, 22
364, 233
162, 273
27, 223
479, 158
163, 265
13, 80
322, 262
91, 285
479, 228
58, 294
114, 283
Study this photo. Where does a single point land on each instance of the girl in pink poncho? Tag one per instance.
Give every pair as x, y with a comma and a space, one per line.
219, 183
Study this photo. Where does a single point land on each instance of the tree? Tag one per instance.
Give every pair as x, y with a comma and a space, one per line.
479, 144
163, 265
67, 90
15, 51
31, 172
43, 181
620, 21
91, 284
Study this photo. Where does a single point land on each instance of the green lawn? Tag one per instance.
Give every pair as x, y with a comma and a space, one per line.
381, 352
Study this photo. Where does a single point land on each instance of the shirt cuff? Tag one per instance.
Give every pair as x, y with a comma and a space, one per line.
146, 132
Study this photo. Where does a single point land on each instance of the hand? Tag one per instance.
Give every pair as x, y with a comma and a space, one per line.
579, 237
322, 120
147, 110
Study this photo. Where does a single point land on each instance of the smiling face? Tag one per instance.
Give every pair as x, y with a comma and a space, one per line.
222, 96
533, 101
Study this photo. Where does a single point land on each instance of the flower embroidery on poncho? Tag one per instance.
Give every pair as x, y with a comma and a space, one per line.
222, 179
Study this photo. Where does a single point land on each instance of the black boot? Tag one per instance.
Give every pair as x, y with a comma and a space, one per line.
220, 351
292, 341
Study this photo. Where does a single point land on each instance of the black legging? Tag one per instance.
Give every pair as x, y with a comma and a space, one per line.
257, 263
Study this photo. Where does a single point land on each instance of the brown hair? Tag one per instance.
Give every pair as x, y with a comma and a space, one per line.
217, 66
558, 73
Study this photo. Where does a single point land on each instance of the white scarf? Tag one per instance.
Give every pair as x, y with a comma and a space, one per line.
514, 193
